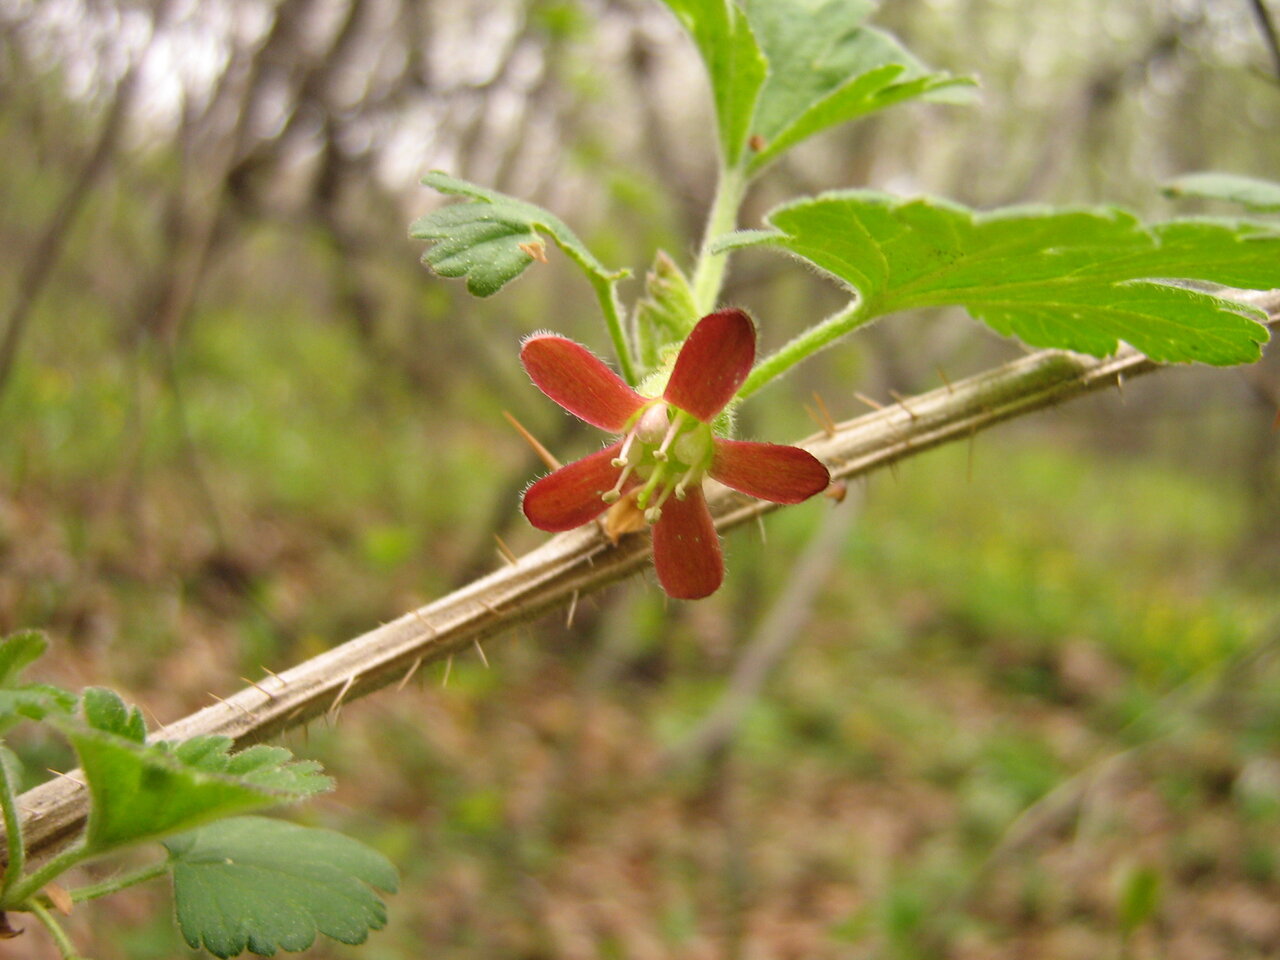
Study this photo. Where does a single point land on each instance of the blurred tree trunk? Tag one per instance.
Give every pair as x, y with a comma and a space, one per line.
52, 242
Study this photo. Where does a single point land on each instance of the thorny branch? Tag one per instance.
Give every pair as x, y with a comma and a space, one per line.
582, 561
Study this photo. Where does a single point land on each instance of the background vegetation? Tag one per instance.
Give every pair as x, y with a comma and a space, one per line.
1029, 709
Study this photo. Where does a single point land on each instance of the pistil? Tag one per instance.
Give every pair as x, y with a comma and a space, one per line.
653, 483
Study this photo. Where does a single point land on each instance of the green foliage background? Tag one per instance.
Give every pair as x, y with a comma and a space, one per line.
1040, 674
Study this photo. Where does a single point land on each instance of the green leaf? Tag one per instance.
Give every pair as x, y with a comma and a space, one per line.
29, 701
735, 66
142, 791
1260, 196
827, 68
493, 238
104, 710
251, 883
17, 652
1073, 279
667, 312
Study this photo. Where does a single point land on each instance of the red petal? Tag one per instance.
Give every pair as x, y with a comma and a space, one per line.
570, 497
686, 548
770, 471
579, 381
713, 363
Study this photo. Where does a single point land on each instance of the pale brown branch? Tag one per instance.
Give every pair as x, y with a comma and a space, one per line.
582, 561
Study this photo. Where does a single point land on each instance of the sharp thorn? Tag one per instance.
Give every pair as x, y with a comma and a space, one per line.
409, 675
232, 703
431, 631
336, 706
825, 421
946, 382
543, 453
66, 776
902, 402
257, 686
507, 553
873, 404
573, 608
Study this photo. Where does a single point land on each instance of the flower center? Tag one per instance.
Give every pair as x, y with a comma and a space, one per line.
666, 448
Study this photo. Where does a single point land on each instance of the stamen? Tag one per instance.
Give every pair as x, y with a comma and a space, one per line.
681, 484
624, 455
613, 495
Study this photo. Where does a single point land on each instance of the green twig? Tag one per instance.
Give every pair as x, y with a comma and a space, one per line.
65, 946
708, 275
12, 830
806, 344
32, 884
607, 293
125, 880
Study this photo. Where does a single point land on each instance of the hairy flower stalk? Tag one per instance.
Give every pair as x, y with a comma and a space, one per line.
668, 446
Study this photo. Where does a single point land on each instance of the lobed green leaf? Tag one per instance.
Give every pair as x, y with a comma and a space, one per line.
735, 66
103, 710
27, 701
491, 239
826, 67
143, 791
1079, 280
17, 652
252, 883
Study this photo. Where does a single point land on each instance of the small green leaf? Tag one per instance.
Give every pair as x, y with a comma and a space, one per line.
1260, 196
827, 68
17, 652
262, 765
667, 312
493, 238
29, 701
1072, 279
735, 66
252, 883
143, 791
104, 710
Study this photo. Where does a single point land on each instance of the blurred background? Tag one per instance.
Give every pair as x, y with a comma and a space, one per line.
1017, 698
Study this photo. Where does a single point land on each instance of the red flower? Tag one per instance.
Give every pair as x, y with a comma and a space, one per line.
667, 447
